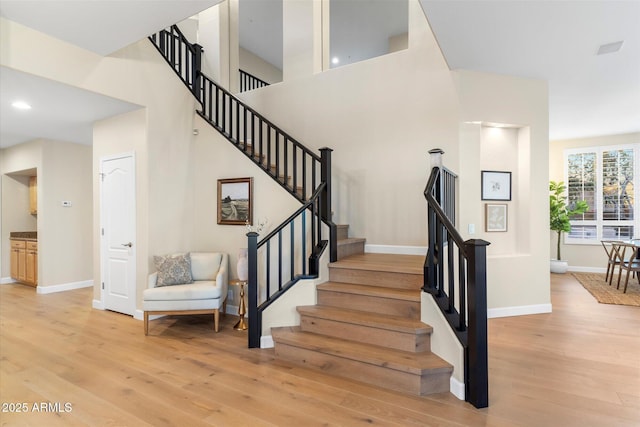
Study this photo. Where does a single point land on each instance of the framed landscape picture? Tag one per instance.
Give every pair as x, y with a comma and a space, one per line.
235, 197
496, 185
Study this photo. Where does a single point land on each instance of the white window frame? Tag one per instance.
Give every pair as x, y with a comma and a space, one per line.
599, 221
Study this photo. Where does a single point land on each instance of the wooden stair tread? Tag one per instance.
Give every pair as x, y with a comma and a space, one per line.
413, 363
357, 317
411, 264
373, 291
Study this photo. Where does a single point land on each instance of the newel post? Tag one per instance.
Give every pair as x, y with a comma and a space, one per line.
477, 372
325, 176
255, 324
435, 156
196, 69
325, 203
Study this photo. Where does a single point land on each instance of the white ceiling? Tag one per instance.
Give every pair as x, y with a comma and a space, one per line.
553, 40
66, 113
557, 41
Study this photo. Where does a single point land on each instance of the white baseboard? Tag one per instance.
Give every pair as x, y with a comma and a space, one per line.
232, 309
518, 310
7, 281
97, 304
457, 388
398, 250
64, 287
266, 341
588, 269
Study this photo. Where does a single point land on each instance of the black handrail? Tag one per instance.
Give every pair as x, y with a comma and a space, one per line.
291, 164
250, 82
461, 265
297, 169
184, 58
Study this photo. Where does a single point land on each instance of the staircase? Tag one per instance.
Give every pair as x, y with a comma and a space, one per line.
348, 245
366, 326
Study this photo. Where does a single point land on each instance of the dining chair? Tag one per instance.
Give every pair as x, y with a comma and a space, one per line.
612, 257
629, 262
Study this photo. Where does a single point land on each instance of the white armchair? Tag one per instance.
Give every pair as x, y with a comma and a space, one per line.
206, 295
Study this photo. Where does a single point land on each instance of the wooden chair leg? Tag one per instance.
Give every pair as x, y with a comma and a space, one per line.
224, 308
626, 280
216, 319
146, 323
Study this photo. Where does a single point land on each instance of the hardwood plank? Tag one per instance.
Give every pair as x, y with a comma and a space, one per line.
577, 366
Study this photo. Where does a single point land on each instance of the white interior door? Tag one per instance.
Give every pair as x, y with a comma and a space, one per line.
118, 203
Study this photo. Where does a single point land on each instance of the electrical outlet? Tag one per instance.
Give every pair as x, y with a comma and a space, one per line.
230, 294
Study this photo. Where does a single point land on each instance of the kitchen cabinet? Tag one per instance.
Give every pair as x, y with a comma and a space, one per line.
31, 267
33, 195
24, 261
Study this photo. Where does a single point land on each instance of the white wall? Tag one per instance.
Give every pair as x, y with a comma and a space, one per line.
590, 257
518, 260
125, 133
258, 67
381, 117
64, 173
136, 74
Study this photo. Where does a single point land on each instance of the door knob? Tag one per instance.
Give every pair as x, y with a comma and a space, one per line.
127, 244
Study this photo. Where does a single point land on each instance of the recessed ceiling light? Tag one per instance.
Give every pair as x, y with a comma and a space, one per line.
335, 60
21, 105
610, 47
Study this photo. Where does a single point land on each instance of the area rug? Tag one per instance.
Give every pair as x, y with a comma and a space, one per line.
605, 294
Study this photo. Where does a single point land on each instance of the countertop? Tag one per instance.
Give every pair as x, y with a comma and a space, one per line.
23, 235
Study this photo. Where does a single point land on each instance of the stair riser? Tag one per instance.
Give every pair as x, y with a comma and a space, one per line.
369, 335
394, 307
376, 278
342, 231
365, 372
348, 249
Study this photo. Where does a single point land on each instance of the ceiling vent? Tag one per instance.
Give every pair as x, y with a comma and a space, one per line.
610, 47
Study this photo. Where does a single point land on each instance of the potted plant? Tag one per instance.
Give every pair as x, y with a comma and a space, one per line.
560, 213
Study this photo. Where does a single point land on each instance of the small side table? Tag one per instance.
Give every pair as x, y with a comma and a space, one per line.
242, 308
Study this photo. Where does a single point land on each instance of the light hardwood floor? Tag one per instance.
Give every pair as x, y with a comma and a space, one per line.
579, 366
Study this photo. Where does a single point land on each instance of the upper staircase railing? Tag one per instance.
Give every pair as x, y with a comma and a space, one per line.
250, 82
456, 277
303, 173
185, 58
295, 167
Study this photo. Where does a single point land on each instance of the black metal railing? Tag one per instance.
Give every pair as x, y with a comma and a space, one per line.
250, 82
185, 58
456, 277
297, 169
291, 164
280, 260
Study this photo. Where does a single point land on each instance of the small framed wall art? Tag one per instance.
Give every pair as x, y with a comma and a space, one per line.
496, 185
235, 201
495, 216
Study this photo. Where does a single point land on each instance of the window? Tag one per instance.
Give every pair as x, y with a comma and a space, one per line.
605, 178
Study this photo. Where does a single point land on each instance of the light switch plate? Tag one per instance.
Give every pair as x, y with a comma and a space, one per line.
472, 229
